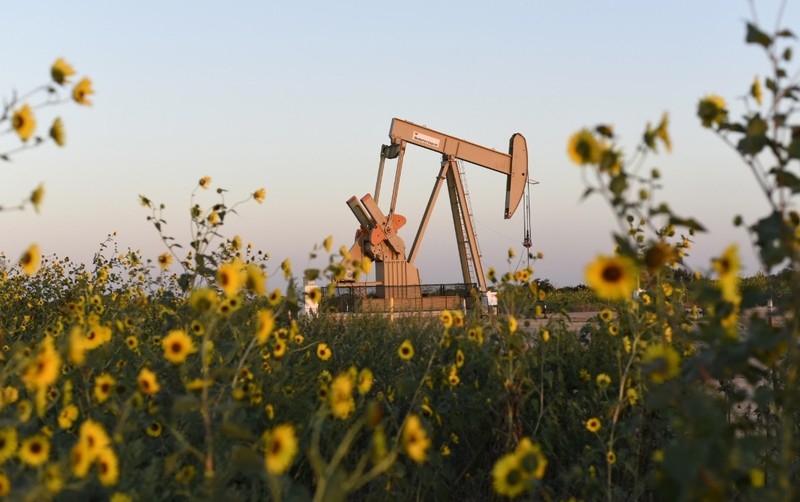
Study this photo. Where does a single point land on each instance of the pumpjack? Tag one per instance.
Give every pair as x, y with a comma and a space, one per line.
396, 276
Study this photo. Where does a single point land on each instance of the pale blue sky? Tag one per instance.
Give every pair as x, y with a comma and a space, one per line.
297, 97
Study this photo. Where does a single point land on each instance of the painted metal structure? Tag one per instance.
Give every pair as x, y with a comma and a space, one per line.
378, 237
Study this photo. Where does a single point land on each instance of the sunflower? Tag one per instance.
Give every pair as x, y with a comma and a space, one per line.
81, 90
727, 267
107, 467
68, 416
406, 350
507, 476
279, 350
148, 383
213, 218
205, 182
286, 266
23, 122
185, 475
603, 380
341, 396
458, 318
10, 394
280, 448
452, 378
254, 279
154, 430
197, 328
80, 460
475, 334
662, 132
659, 255
275, 297
103, 385
132, 342
77, 346
259, 195
612, 277
5, 485
177, 346
24, 410
459, 358
606, 315
545, 334
97, 336
531, 459
512, 324
93, 436
230, 277
164, 261
593, 424
613, 329
31, 260
711, 110
583, 148
203, 299
53, 479
633, 396
447, 318
323, 352
755, 90
661, 362
522, 275
37, 196
266, 323
314, 295
415, 439
44, 369
61, 71
8, 443
364, 381
35, 450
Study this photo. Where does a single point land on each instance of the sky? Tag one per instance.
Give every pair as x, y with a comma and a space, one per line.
298, 97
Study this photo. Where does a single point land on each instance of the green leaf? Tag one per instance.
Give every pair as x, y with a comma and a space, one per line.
756, 138
246, 459
618, 184
186, 404
662, 208
786, 34
586, 193
769, 231
690, 223
756, 36
788, 180
787, 54
770, 84
185, 281
624, 245
794, 149
236, 431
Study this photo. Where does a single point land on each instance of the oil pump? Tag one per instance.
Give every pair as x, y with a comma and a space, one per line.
377, 236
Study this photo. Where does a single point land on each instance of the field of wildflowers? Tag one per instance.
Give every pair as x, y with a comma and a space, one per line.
122, 380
